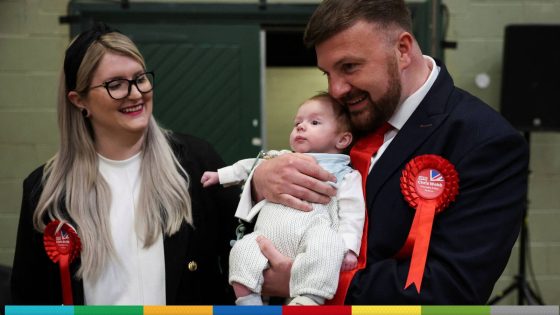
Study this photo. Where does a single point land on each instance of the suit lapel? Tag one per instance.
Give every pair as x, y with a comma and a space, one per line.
422, 123
401, 150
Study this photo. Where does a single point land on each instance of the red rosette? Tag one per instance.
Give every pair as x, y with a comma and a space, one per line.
429, 183
62, 245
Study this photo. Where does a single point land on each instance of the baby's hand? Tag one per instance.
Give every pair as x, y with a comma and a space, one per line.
209, 179
350, 261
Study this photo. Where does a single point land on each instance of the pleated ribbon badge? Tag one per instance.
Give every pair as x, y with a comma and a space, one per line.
62, 245
429, 183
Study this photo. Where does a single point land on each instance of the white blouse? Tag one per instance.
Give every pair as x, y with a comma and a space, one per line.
137, 277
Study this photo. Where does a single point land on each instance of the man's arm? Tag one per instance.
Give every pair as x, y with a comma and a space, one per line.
294, 180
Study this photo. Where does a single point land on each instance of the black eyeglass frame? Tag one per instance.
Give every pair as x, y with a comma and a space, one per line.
130, 82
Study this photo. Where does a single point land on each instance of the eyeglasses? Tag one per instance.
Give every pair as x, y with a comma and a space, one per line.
120, 88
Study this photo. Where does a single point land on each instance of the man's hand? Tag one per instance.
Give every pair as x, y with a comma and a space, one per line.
294, 180
277, 277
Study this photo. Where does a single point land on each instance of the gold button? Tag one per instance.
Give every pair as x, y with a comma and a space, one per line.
192, 266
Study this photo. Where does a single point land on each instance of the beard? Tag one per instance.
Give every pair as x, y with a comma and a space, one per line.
377, 112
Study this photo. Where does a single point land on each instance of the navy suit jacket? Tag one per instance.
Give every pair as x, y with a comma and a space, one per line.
472, 239
36, 279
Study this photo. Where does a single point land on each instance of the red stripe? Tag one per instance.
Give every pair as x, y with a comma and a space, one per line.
317, 310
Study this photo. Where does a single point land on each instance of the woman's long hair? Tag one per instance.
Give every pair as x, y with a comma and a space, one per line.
76, 192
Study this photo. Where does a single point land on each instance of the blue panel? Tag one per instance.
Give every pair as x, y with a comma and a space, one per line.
247, 310
39, 310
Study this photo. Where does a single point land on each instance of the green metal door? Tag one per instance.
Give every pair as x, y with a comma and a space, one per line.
207, 82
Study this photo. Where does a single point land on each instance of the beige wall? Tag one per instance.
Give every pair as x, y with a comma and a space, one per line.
478, 27
31, 48
286, 89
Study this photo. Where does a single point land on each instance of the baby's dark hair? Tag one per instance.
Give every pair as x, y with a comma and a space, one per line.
341, 112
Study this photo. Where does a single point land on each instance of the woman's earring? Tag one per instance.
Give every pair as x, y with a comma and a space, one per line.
85, 112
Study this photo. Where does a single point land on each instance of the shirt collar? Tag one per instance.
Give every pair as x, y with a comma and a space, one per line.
406, 108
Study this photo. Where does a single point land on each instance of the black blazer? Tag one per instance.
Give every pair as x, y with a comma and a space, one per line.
472, 239
36, 279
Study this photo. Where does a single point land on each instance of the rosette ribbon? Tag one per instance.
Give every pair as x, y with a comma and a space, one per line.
429, 183
62, 245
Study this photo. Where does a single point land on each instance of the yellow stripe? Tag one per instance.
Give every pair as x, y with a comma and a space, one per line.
386, 310
178, 310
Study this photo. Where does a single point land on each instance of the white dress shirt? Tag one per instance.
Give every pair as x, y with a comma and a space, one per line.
405, 110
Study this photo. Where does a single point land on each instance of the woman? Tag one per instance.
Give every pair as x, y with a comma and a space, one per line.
150, 234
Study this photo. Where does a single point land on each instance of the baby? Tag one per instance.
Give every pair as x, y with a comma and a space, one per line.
322, 242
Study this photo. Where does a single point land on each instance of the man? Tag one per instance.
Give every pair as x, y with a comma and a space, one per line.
376, 68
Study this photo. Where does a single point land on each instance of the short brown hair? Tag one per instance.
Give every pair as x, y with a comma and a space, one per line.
341, 112
334, 16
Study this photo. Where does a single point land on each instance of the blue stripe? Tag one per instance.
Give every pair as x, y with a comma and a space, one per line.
247, 310
43, 310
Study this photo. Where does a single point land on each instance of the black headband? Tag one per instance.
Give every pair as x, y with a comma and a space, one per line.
76, 52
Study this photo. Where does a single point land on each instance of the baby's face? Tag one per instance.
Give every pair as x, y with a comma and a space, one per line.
315, 129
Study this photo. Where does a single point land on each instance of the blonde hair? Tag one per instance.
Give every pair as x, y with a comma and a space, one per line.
75, 191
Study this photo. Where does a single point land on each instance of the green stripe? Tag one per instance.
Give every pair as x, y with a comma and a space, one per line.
104, 310
456, 310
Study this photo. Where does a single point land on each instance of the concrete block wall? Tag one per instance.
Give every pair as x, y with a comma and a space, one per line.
478, 28
32, 43
31, 46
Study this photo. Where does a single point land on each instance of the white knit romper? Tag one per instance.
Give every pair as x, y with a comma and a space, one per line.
310, 238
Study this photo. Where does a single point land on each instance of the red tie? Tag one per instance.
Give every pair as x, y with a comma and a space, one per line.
361, 154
